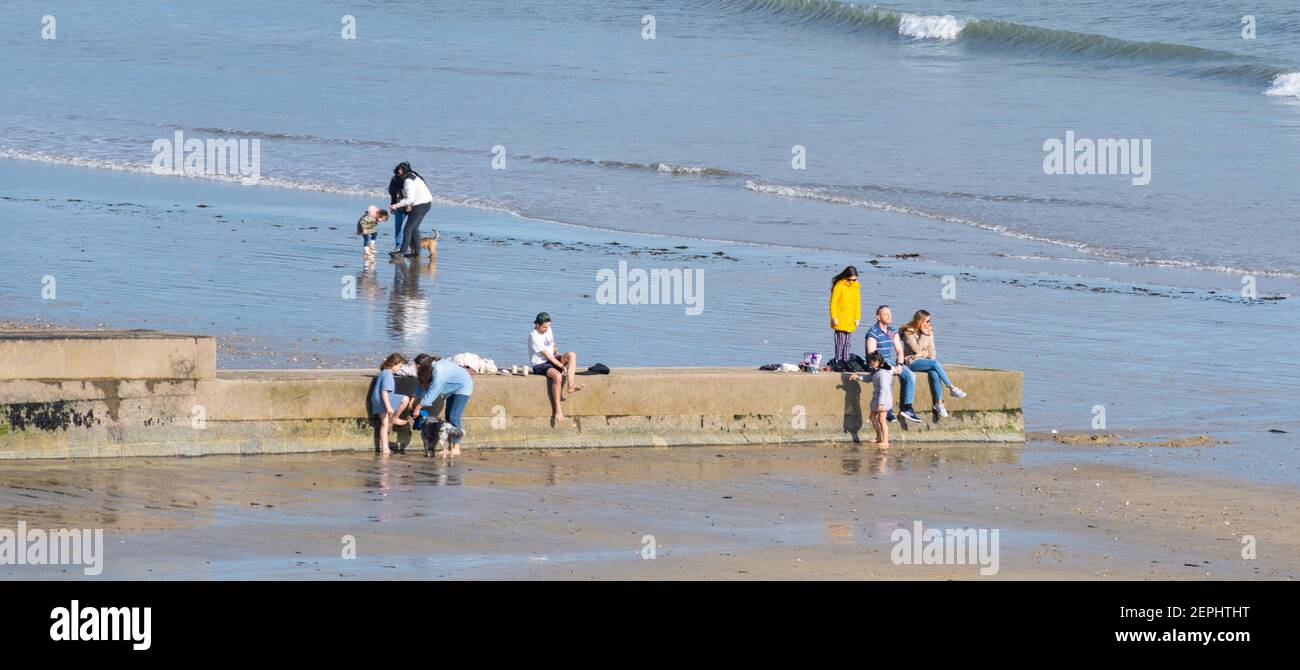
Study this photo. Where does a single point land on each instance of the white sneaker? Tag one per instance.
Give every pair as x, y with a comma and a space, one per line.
943, 411
956, 392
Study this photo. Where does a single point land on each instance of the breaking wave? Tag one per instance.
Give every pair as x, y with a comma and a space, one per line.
1287, 84
996, 35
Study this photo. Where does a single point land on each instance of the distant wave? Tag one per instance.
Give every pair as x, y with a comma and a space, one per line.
663, 168
818, 193
825, 195
318, 139
1010, 36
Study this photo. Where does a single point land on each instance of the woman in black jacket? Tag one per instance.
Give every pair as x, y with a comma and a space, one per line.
395, 194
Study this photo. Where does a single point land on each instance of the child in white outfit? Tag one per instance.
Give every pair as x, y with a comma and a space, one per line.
882, 395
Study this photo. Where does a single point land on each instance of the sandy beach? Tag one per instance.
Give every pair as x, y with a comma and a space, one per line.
812, 512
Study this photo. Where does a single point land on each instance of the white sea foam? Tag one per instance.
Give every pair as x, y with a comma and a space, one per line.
945, 27
1285, 85
274, 182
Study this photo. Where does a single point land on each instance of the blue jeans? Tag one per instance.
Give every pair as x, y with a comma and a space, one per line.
456, 403
398, 217
908, 381
368, 238
938, 378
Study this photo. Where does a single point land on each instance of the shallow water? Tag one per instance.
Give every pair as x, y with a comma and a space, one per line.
691, 133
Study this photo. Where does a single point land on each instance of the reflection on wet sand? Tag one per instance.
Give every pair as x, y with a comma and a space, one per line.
160, 493
408, 307
808, 511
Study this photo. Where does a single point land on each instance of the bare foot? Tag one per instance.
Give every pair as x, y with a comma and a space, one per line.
443, 453
884, 445
455, 450
577, 388
557, 420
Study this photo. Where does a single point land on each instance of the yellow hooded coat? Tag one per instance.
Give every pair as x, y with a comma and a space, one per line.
846, 305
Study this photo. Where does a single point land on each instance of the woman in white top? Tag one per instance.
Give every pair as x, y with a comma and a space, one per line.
542, 355
416, 201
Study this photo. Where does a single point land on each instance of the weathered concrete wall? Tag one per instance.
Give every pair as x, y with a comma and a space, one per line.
95, 354
312, 410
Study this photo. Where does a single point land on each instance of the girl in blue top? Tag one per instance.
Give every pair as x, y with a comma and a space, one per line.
385, 402
444, 378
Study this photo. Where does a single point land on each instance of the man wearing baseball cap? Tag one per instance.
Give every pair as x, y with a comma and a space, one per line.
558, 369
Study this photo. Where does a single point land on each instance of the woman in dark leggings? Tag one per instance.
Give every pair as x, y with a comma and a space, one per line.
416, 200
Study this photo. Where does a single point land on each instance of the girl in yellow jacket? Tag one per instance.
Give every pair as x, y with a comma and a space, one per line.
846, 310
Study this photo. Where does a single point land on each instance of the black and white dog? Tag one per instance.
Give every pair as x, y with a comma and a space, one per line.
435, 433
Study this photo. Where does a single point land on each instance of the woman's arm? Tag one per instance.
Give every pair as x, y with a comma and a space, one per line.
911, 345
431, 393
406, 198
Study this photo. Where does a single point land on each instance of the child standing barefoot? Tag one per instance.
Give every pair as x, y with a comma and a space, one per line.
385, 403
882, 396
368, 229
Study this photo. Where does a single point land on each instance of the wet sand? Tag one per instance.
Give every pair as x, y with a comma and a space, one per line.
808, 512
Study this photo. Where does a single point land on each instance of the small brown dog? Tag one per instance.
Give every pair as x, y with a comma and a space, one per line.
430, 244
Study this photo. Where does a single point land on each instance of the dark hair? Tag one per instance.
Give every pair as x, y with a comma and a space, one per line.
383, 214
847, 272
877, 358
406, 167
424, 368
881, 307
393, 359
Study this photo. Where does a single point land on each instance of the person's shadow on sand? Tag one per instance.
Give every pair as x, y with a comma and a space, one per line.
852, 407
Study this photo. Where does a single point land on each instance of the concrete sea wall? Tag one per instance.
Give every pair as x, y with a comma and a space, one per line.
139, 393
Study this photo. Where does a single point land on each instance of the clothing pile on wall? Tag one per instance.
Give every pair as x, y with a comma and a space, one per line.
812, 363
